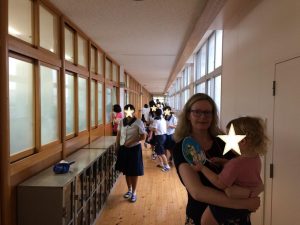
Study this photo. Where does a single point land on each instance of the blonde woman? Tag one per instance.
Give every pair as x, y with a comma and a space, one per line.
240, 177
199, 120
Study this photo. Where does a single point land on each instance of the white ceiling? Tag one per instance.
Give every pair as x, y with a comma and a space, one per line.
147, 38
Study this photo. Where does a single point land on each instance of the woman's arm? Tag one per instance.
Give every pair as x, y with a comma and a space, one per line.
209, 195
236, 191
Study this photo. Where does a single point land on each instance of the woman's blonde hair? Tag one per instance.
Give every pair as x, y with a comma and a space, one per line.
184, 126
254, 129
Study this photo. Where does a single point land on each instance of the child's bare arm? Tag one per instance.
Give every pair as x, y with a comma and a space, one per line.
210, 175
219, 161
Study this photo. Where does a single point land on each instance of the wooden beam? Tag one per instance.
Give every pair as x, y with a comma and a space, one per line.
5, 191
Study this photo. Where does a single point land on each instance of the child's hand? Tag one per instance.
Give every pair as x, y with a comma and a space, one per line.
218, 161
197, 166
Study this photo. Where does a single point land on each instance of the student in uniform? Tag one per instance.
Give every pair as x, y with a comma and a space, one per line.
131, 132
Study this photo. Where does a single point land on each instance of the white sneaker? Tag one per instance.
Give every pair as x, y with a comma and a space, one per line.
165, 169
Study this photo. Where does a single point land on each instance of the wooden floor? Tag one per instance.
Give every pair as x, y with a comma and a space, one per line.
161, 199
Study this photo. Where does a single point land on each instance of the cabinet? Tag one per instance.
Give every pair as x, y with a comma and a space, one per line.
74, 198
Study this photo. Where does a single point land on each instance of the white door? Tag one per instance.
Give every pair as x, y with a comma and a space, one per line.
286, 154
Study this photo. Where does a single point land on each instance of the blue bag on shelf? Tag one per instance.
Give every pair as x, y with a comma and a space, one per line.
62, 167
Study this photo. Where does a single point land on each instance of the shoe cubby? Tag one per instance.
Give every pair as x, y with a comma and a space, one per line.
74, 198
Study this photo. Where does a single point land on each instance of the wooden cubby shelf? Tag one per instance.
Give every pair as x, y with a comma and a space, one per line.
74, 198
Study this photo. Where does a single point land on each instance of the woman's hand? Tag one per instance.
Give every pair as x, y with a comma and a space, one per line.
253, 204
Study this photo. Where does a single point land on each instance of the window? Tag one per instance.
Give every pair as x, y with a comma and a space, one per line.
219, 35
114, 95
210, 82
69, 44
100, 63
93, 103
93, 59
21, 106
70, 104
207, 77
128, 81
217, 92
200, 88
100, 103
49, 105
201, 62
115, 72
20, 19
107, 69
126, 98
211, 53
48, 30
82, 104
82, 52
108, 106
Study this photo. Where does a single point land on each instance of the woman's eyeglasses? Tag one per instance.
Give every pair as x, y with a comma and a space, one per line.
199, 113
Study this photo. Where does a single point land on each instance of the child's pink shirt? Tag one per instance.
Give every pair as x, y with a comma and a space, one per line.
242, 171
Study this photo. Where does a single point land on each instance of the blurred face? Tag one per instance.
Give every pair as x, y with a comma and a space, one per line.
201, 115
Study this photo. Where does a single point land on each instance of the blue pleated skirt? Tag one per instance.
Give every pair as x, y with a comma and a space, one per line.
130, 161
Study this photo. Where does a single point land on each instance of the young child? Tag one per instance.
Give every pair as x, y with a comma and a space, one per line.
240, 177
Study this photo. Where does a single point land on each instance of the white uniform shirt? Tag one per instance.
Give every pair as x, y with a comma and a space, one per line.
172, 122
160, 126
131, 132
145, 112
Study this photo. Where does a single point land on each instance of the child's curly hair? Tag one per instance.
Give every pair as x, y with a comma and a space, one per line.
254, 129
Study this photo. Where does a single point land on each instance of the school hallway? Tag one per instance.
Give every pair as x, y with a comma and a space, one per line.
161, 199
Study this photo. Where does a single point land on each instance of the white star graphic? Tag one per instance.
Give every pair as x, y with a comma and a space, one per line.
232, 140
129, 112
153, 108
167, 112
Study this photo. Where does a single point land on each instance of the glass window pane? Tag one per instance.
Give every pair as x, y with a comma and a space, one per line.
108, 107
211, 53
20, 19
122, 77
69, 45
100, 103
198, 64
218, 48
115, 73
82, 103
128, 82
48, 30
114, 95
203, 60
93, 103
100, 63
82, 51
21, 106
200, 88
49, 105
209, 88
93, 60
107, 69
70, 104
218, 92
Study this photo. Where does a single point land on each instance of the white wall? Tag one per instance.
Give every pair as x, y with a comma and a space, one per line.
256, 36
